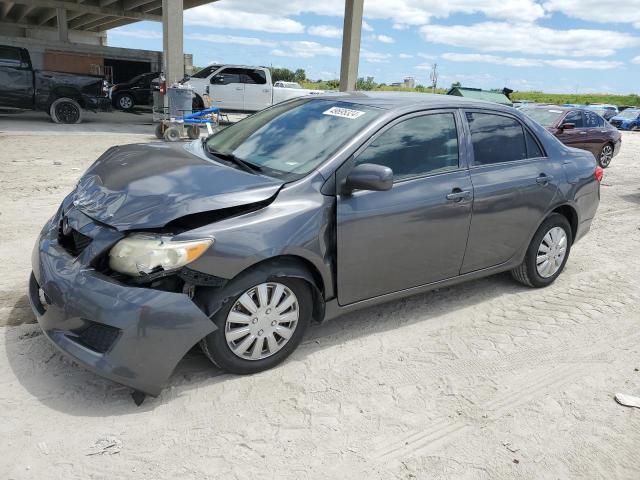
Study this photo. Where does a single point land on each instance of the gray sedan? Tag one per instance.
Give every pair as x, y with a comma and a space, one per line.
302, 212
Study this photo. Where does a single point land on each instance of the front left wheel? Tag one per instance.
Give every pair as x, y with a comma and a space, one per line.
260, 325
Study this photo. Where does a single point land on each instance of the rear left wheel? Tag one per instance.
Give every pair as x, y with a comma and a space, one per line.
547, 254
65, 110
260, 326
605, 156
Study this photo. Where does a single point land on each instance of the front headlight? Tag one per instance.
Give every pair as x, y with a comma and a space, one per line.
141, 254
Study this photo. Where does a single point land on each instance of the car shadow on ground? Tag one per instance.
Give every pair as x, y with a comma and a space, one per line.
61, 384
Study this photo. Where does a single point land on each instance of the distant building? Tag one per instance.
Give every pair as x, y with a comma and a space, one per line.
479, 94
409, 82
397, 84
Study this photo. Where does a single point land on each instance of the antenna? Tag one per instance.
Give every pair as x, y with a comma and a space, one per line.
434, 77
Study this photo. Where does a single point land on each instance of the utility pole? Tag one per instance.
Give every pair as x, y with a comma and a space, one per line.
434, 77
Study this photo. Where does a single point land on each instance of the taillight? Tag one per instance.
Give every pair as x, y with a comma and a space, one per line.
599, 173
163, 88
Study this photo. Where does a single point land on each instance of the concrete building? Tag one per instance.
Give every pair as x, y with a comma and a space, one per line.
409, 82
71, 35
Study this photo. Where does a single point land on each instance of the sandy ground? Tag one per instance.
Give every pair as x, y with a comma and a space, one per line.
486, 380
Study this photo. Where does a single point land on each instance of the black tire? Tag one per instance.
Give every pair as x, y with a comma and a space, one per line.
125, 102
65, 110
527, 272
193, 132
606, 155
172, 134
160, 128
215, 345
197, 104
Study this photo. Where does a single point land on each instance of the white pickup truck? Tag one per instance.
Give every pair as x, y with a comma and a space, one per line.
239, 88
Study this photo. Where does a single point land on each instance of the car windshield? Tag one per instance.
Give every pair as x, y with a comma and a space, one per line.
546, 117
629, 114
291, 139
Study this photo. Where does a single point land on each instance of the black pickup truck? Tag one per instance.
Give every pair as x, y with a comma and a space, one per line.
62, 95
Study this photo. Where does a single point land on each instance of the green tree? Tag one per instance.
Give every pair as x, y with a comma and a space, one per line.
365, 84
299, 75
283, 74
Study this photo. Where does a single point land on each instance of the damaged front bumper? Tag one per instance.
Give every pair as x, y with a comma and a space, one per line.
134, 336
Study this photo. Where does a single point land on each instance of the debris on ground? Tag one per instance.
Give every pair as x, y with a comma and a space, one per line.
106, 445
627, 400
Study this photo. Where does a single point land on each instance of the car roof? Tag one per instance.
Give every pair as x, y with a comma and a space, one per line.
400, 100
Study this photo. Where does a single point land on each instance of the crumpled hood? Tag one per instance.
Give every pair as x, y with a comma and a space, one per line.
149, 185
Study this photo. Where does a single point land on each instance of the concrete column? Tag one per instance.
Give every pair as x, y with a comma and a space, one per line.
172, 39
63, 27
351, 44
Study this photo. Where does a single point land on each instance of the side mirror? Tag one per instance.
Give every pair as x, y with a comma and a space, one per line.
368, 176
217, 80
567, 126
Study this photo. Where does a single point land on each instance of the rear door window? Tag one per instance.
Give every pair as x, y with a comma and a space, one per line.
496, 138
592, 120
256, 77
415, 147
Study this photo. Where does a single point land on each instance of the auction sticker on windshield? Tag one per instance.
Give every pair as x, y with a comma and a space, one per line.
344, 113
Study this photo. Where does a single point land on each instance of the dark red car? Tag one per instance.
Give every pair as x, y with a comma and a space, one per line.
579, 128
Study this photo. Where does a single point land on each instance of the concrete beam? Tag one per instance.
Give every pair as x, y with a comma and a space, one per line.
351, 35
23, 14
133, 4
93, 9
97, 25
80, 22
63, 27
6, 9
172, 40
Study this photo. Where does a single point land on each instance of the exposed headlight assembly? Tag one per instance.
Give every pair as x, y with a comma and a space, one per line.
140, 254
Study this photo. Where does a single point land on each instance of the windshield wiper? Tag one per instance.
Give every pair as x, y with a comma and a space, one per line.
230, 157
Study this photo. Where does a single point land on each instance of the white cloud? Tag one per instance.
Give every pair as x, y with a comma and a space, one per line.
274, 15
326, 31
583, 64
531, 62
215, 16
375, 57
305, 49
420, 12
230, 39
426, 56
626, 11
405, 55
366, 27
530, 39
484, 58
150, 34
385, 39
636, 60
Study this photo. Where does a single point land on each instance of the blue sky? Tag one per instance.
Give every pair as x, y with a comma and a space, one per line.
551, 45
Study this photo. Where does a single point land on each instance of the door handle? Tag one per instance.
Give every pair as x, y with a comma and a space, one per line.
583, 133
265, 90
458, 195
544, 179
239, 88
